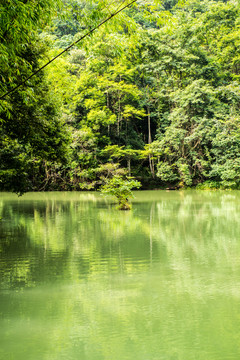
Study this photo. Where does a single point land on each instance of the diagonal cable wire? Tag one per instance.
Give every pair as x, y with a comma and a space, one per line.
69, 47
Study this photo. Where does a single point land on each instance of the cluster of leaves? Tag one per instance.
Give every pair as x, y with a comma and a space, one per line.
31, 131
198, 137
121, 189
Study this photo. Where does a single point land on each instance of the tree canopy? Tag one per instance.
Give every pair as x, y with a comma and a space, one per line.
156, 90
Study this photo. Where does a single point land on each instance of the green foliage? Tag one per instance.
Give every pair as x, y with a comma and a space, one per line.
121, 189
167, 172
208, 185
198, 99
154, 92
31, 132
20, 21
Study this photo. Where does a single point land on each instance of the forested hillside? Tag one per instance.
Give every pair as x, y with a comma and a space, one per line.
155, 90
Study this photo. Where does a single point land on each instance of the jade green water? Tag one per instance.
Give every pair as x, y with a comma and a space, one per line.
81, 280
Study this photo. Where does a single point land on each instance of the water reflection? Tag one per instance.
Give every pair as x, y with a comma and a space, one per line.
80, 280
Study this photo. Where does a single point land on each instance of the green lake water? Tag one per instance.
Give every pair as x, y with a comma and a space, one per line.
81, 280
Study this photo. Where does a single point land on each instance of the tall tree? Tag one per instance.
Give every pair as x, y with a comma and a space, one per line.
30, 130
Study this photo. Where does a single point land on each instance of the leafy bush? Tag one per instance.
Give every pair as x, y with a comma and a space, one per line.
208, 185
121, 189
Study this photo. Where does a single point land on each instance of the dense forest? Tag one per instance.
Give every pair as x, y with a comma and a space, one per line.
153, 93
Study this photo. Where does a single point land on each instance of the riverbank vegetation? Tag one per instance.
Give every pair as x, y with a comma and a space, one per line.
154, 92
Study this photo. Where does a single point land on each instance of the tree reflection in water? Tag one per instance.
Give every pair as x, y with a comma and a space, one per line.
84, 280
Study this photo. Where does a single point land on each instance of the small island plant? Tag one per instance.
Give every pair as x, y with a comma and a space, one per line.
121, 189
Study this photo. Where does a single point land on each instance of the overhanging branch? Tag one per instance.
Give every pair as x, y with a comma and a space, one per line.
67, 48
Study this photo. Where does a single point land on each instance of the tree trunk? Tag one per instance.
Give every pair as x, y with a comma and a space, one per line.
108, 108
151, 161
149, 126
119, 115
129, 166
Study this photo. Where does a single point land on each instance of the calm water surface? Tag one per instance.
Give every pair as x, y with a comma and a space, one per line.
81, 280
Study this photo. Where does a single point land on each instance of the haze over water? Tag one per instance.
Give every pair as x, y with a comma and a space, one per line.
81, 280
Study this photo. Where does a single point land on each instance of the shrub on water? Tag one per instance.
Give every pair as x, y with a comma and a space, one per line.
121, 189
